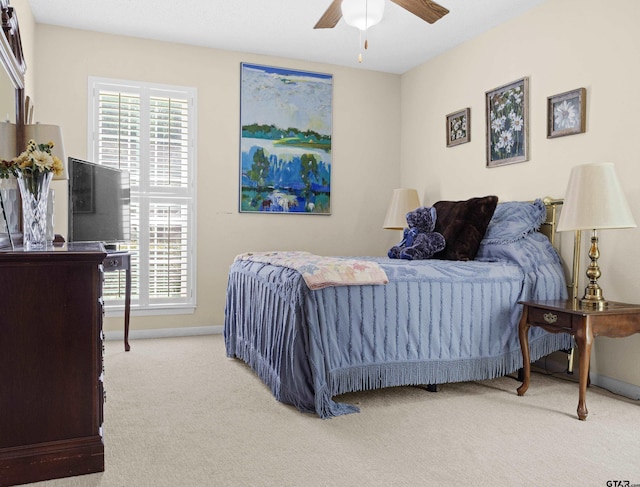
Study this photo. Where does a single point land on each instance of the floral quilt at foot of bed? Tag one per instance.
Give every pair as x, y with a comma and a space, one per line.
319, 271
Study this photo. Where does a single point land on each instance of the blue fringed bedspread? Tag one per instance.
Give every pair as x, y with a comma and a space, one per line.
434, 322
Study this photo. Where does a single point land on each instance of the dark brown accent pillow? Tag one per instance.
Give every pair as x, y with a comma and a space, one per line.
463, 225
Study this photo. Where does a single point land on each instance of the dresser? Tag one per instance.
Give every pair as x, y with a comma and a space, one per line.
51, 370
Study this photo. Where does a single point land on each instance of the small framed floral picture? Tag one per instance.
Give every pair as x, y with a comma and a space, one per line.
508, 123
458, 127
566, 113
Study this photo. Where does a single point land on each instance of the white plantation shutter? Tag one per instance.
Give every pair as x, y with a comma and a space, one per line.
149, 130
169, 142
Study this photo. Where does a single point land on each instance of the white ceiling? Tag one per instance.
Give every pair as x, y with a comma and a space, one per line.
284, 28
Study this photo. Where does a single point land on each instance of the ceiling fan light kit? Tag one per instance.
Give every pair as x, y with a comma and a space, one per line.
362, 14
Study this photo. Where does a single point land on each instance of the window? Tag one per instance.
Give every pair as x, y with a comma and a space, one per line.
149, 130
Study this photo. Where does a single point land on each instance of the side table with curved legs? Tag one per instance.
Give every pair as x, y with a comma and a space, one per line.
618, 320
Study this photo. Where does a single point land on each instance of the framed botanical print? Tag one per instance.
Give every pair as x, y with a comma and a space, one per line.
458, 127
566, 113
507, 116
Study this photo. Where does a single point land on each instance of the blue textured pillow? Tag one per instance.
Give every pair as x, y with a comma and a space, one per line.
513, 220
530, 252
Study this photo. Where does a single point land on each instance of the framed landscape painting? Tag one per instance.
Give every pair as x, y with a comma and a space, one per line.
508, 123
285, 141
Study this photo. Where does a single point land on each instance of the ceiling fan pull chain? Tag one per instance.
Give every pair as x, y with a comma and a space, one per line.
366, 24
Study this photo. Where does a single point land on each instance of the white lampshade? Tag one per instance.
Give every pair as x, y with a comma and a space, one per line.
594, 200
362, 14
43, 133
402, 202
7, 141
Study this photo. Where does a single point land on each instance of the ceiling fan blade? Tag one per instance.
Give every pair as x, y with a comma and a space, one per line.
425, 9
331, 16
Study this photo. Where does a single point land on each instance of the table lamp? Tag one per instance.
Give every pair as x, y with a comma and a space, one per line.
43, 133
594, 201
403, 201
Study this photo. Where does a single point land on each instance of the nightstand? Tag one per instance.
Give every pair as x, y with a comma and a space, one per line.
618, 320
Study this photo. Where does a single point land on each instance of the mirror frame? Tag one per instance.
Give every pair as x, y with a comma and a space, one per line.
12, 59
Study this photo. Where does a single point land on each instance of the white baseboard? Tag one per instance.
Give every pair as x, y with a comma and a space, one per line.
556, 362
165, 332
616, 386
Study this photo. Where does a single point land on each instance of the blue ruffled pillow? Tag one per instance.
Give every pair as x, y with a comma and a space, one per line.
530, 252
513, 220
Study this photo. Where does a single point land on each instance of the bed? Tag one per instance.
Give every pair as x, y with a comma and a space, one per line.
434, 321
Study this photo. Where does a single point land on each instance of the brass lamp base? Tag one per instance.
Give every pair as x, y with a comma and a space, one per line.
593, 298
590, 302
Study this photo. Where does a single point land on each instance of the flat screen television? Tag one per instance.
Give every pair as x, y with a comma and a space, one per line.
99, 199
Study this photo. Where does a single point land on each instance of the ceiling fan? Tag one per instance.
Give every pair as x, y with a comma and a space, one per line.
425, 9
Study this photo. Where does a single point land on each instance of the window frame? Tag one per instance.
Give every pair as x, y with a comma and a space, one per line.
144, 304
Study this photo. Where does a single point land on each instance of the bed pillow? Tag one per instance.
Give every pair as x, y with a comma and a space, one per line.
515, 219
530, 252
463, 225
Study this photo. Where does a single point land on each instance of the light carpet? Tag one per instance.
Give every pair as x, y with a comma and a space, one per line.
180, 413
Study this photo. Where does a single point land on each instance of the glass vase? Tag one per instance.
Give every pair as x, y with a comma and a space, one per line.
34, 191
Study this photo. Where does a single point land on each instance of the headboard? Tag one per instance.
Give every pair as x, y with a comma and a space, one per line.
549, 226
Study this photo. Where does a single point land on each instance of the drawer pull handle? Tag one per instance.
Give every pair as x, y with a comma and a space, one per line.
550, 318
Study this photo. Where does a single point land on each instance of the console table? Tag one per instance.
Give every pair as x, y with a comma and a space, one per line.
566, 316
121, 261
51, 370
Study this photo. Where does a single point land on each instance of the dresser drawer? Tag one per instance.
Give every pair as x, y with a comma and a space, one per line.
549, 318
116, 262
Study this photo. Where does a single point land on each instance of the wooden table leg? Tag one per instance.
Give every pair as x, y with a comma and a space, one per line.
523, 334
584, 340
127, 306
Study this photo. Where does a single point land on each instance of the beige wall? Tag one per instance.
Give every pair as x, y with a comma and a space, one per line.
366, 136
560, 45
388, 131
